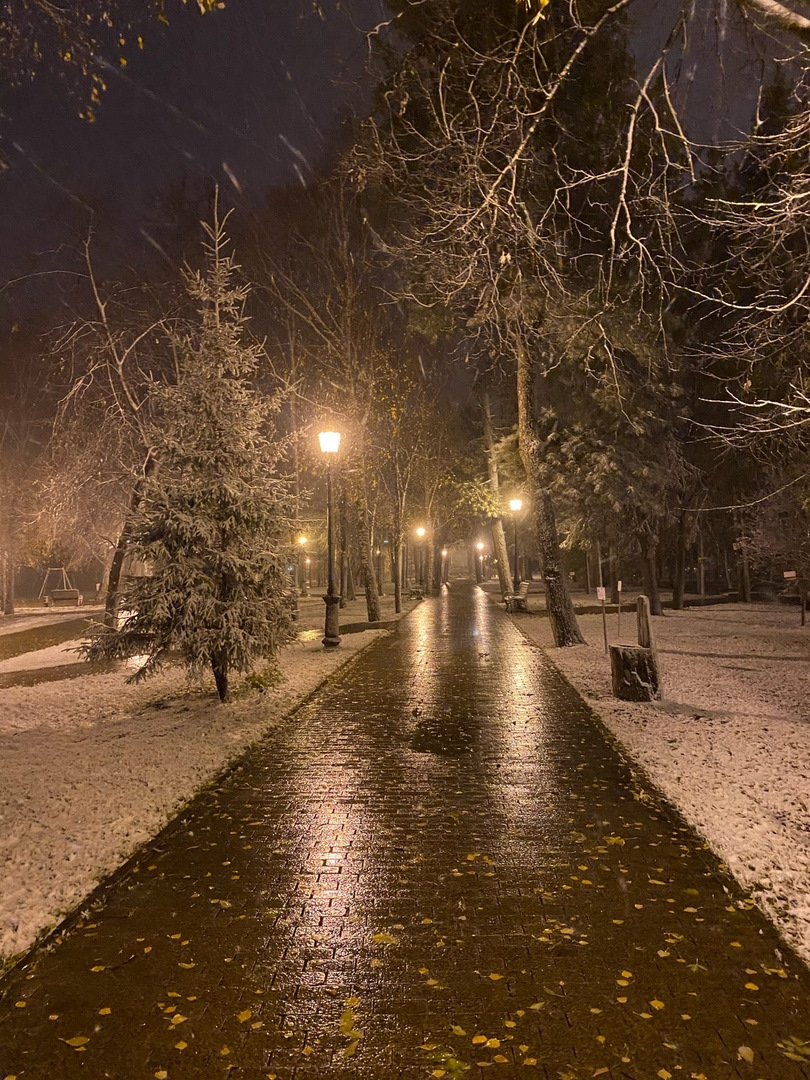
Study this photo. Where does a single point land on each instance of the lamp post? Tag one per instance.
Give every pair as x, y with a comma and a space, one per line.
302, 561
420, 532
330, 444
479, 563
444, 566
516, 505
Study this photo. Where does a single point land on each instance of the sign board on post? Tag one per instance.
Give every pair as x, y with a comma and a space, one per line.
600, 592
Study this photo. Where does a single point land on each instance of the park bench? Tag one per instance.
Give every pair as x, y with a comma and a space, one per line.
415, 593
64, 596
518, 601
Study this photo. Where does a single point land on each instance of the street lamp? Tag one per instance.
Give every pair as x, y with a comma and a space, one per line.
516, 505
420, 532
330, 444
302, 540
479, 566
444, 566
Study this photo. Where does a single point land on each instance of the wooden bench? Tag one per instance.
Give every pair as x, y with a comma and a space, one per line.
416, 593
64, 596
518, 601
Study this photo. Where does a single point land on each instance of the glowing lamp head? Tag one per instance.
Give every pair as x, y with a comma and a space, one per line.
515, 505
420, 532
444, 553
480, 546
330, 441
302, 540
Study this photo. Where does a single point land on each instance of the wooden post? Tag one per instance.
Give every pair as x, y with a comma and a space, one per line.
600, 595
619, 609
646, 638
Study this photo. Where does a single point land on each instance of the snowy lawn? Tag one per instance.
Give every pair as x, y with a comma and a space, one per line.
90, 767
729, 745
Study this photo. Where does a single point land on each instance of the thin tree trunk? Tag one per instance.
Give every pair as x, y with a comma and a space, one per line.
499, 549
9, 582
613, 567
113, 598
364, 535
679, 581
564, 625
649, 572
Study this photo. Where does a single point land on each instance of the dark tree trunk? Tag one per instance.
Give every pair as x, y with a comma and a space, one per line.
219, 666
649, 572
679, 580
364, 535
113, 599
564, 625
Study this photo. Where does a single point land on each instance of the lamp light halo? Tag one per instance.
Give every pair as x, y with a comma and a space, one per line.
420, 532
515, 505
330, 441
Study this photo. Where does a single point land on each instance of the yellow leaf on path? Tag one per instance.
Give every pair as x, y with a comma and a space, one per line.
98, 967
458, 1030
224, 1051
627, 974
657, 1004
751, 986
186, 966
745, 1053
384, 938
350, 1049
500, 1058
178, 1019
495, 976
244, 1016
428, 1046
479, 1040
439, 1072
104, 1012
493, 1043
77, 1040
180, 1045
352, 1001
523, 1048
530, 1061
664, 1074
308, 1050
20, 1004
537, 1005
161, 1074
600, 1072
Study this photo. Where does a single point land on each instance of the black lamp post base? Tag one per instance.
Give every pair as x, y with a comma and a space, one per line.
331, 636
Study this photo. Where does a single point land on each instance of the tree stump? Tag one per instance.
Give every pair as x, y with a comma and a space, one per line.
634, 673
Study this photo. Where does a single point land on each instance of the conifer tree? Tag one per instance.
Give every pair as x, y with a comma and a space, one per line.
211, 522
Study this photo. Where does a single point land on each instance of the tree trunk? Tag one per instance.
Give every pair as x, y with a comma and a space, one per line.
648, 542
499, 549
113, 599
679, 581
9, 582
364, 536
564, 625
613, 567
219, 666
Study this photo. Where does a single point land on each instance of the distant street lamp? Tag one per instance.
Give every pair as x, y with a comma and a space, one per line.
330, 444
516, 505
420, 532
309, 571
302, 541
479, 564
444, 566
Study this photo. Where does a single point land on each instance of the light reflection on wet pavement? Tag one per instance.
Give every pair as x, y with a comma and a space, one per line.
438, 867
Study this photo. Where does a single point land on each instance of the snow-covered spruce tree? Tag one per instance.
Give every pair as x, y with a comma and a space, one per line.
211, 522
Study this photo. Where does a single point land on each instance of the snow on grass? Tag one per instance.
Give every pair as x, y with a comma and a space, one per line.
90, 768
730, 743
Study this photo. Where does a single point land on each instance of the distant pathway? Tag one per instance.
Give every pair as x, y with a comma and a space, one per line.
438, 862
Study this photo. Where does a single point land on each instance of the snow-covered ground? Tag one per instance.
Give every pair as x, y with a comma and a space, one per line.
730, 743
91, 767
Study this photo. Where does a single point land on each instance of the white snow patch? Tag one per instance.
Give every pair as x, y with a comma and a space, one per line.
90, 768
729, 745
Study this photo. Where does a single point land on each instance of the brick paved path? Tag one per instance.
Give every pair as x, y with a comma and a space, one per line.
439, 862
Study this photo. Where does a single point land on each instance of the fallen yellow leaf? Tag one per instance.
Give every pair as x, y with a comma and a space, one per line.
244, 1016
77, 1040
745, 1053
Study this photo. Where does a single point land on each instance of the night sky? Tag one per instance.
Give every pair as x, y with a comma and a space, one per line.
253, 96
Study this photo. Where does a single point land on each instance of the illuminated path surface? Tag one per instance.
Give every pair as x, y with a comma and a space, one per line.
438, 862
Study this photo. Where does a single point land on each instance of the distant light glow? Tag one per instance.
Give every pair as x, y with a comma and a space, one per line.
302, 540
480, 546
420, 532
330, 441
515, 505
444, 552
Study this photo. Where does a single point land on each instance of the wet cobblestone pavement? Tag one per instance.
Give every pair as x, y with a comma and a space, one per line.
438, 867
